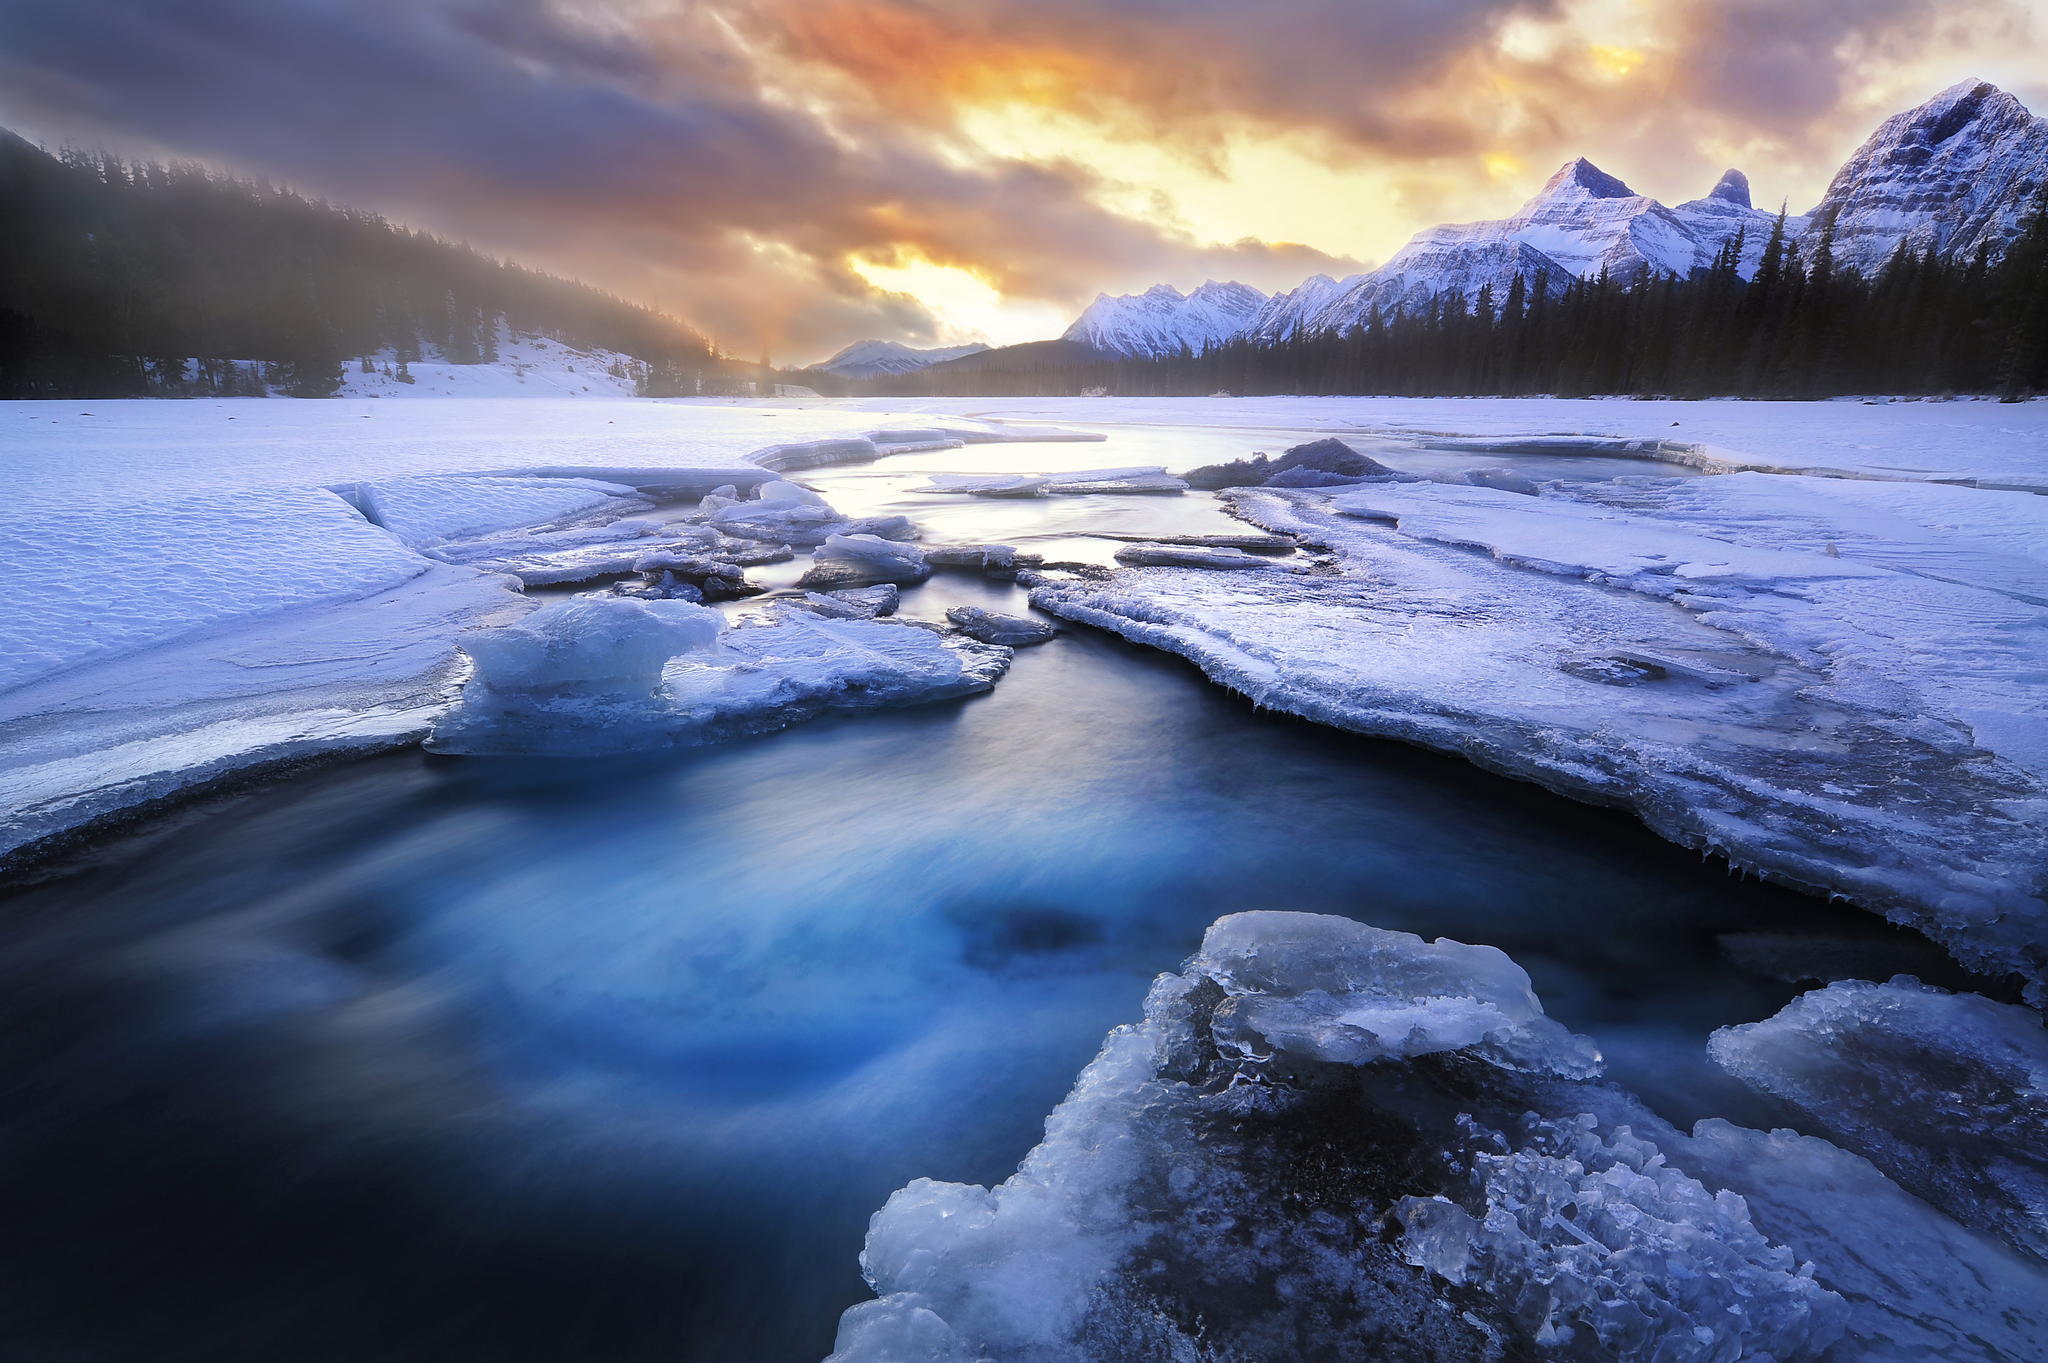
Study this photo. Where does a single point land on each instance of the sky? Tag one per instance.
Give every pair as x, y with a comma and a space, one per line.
793, 175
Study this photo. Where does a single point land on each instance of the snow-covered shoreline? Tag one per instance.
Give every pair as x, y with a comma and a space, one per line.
200, 590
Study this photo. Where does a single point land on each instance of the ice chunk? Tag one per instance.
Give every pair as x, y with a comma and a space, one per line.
859, 560
987, 484
1313, 988
607, 674
786, 513
1011, 631
1158, 555
1505, 480
1217, 1183
811, 454
997, 560
587, 648
1947, 1093
1150, 479
1919, 1287
862, 603
1598, 1249
1251, 544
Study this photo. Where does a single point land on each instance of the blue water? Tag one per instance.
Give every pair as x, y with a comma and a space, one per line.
444, 1058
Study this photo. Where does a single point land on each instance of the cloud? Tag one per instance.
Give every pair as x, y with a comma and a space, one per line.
734, 159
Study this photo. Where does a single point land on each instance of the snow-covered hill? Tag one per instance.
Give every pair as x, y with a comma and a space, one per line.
1956, 174
871, 359
526, 366
1162, 319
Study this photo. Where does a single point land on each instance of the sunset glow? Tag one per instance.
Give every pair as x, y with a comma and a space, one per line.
794, 174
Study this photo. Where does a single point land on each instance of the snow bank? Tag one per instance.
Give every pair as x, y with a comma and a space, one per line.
1947, 1093
420, 512
1839, 719
1217, 1182
607, 674
90, 581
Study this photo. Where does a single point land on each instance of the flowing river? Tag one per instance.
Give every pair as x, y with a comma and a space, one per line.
422, 1058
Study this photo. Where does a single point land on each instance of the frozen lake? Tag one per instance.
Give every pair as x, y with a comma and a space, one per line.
429, 1058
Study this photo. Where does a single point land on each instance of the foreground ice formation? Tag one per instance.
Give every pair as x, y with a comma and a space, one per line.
1947, 1093
600, 674
1823, 680
1326, 1141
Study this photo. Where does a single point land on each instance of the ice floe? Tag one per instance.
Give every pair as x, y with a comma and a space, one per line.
596, 675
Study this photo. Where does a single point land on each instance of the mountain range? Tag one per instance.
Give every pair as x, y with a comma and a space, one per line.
872, 359
1956, 175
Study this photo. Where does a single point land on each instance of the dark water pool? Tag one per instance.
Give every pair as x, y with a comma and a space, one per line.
456, 1059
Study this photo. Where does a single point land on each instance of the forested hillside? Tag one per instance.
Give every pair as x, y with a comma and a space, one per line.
1802, 328
114, 275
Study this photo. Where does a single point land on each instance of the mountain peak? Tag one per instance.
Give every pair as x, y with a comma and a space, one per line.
1579, 175
1732, 187
1956, 108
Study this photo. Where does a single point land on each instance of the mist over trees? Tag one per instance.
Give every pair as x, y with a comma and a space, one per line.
122, 279
1800, 328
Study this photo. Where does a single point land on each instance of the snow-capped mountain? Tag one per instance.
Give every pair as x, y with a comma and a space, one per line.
1582, 221
871, 359
1959, 172
1162, 319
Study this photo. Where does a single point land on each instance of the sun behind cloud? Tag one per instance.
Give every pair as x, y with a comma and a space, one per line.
971, 309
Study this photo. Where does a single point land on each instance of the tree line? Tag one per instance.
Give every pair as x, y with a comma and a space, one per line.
121, 278
1800, 327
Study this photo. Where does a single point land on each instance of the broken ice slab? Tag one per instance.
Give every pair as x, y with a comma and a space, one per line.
1148, 480
598, 675
863, 560
863, 603
987, 485
1156, 554
1011, 631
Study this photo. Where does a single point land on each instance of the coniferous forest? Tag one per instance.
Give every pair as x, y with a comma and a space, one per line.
1799, 328
122, 279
